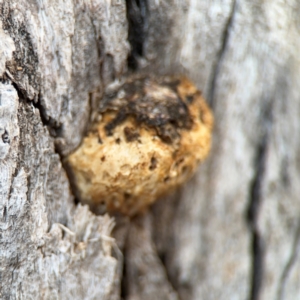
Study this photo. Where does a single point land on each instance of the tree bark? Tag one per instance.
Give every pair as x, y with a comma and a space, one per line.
233, 232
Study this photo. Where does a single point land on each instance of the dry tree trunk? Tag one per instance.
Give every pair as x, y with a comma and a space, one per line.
233, 232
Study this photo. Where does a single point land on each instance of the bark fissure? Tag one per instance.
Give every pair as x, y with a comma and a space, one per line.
168, 277
290, 263
123, 289
220, 55
255, 200
137, 16
53, 126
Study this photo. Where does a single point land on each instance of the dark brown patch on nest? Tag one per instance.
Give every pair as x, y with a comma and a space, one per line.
152, 101
131, 134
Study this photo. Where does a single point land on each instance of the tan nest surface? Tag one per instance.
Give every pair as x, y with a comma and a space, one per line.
152, 135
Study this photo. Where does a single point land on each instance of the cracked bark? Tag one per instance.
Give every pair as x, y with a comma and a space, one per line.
253, 210
225, 39
230, 233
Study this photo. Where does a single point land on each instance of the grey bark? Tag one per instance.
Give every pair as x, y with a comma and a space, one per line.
233, 232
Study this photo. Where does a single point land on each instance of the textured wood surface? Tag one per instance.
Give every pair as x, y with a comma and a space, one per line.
54, 57
233, 232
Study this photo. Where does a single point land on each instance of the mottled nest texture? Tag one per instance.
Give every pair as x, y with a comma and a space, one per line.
152, 134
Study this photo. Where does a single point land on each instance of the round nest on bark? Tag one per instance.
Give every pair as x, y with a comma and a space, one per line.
152, 134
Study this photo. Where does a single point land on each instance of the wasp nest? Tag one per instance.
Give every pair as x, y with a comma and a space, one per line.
152, 134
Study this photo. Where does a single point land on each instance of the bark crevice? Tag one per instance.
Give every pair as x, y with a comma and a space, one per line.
290, 263
255, 201
137, 17
220, 55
